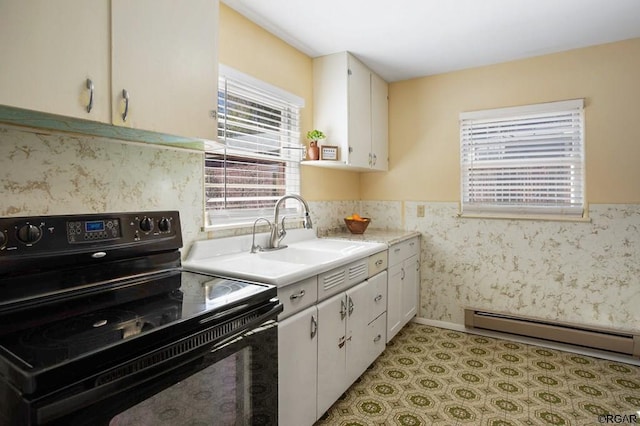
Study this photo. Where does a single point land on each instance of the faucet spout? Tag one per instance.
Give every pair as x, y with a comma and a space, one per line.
277, 231
255, 248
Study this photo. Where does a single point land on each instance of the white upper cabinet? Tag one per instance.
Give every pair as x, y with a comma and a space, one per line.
163, 53
164, 58
379, 123
351, 108
49, 49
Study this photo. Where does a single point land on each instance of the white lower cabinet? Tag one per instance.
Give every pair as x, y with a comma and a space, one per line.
404, 279
332, 328
350, 337
297, 371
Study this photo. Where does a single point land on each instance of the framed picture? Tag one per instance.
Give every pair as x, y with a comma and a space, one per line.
328, 152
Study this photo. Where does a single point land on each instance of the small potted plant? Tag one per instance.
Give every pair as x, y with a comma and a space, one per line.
314, 136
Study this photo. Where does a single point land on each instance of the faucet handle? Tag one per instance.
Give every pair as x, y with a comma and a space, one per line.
282, 232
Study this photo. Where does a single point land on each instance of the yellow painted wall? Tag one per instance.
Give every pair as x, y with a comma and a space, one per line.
249, 48
423, 120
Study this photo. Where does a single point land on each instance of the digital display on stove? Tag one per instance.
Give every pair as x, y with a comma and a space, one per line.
94, 226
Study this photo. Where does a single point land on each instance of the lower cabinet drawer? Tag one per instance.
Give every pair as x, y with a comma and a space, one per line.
399, 252
377, 331
296, 297
378, 262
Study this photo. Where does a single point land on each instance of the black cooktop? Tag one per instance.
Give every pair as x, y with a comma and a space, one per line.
93, 333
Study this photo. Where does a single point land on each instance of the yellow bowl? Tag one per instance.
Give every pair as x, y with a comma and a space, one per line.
357, 226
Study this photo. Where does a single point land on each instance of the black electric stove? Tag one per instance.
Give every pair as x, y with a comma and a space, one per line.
94, 303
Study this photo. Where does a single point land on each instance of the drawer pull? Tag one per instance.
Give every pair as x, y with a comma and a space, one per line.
297, 296
397, 250
378, 298
91, 88
377, 338
379, 262
342, 341
125, 97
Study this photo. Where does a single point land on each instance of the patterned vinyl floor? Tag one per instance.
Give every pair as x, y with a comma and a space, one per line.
433, 376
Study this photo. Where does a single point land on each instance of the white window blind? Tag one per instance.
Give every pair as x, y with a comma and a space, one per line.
523, 160
258, 156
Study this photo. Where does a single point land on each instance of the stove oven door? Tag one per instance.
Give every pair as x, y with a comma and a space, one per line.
235, 384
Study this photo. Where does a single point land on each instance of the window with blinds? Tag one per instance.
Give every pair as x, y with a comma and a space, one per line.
257, 158
523, 161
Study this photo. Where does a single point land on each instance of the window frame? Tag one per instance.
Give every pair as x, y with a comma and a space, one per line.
534, 164
238, 218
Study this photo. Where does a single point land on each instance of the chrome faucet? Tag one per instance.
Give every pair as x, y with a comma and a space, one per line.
278, 232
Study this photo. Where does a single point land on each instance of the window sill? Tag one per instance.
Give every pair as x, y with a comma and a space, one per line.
532, 217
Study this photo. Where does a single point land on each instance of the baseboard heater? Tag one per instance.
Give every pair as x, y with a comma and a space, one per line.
590, 337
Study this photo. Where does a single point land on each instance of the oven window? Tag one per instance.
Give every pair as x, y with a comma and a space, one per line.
219, 394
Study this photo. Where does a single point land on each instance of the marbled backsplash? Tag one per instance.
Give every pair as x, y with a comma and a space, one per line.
47, 174
580, 272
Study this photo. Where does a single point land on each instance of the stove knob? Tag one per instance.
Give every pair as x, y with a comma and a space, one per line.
29, 234
146, 224
164, 225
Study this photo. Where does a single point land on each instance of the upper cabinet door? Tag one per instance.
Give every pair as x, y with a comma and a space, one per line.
379, 123
164, 66
359, 114
49, 49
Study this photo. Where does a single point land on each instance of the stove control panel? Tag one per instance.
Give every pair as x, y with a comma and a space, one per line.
48, 235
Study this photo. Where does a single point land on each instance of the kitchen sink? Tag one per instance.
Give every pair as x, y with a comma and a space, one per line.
294, 254
302, 258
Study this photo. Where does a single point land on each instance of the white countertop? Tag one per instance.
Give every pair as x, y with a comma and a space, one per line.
385, 236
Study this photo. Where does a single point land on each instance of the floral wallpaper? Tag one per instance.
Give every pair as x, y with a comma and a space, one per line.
47, 174
578, 272
586, 273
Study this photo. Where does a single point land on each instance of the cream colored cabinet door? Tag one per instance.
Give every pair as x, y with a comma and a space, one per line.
48, 51
164, 66
332, 340
359, 114
410, 285
379, 123
365, 303
297, 368
394, 300
358, 308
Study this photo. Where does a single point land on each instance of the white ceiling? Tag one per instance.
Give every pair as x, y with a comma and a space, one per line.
402, 39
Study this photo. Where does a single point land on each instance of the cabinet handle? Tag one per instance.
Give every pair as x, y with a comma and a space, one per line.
375, 159
90, 87
379, 262
341, 342
403, 274
125, 96
314, 326
343, 309
417, 265
397, 250
297, 296
377, 338
370, 160
350, 306
378, 298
